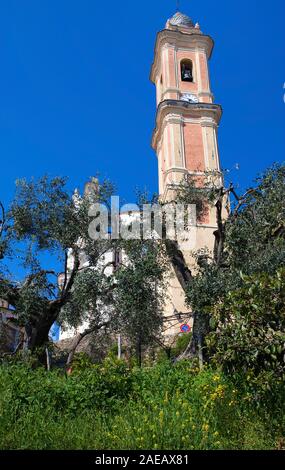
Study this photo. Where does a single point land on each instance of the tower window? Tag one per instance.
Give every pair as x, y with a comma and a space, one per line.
186, 70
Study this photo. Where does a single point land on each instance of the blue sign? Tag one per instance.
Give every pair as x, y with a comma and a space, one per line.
185, 328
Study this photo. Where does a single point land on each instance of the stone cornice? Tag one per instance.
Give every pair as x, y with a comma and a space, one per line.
178, 110
180, 39
178, 169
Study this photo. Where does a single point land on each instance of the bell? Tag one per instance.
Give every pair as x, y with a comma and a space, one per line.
187, 76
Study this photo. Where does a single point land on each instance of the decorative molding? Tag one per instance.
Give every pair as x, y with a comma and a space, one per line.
182, 143
205, 145
172, 144
199, 79
208, 122
206, 94
176, 68
182, 110
178, 169
178, 39
164, 71
169, 90
216, 149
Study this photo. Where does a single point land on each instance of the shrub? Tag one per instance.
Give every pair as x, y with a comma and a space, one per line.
249, 323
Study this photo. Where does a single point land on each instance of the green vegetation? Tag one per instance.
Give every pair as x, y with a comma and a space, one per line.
109, 406
46, 221
233, 400
249, 242
249, 327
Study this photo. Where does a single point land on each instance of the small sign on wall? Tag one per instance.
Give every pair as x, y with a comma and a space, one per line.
185, 328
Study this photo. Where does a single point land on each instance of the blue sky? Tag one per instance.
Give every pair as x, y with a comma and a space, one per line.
76, 98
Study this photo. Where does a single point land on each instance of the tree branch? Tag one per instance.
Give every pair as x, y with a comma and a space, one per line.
178, 262
80, 337
3, 219
241, 200
65, 270
31, 277
65, 292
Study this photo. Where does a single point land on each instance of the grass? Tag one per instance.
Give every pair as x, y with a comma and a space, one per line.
111, 407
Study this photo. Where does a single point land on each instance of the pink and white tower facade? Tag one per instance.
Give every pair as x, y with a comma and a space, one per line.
187, 119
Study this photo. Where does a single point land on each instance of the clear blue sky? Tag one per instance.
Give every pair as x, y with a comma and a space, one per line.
76, 97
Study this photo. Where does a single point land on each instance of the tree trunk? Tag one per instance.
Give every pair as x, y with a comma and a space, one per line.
220, 233
37, 332
184, 276
48, 359
77, 340
200, 352
37, 335
177, 260
74, 346
139, 352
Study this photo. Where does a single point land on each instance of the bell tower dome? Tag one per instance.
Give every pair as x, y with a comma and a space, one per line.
185, 136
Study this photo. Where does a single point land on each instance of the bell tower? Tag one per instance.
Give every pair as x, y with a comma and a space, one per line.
185, 136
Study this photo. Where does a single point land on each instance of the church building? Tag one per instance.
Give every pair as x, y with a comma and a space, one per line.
184, 138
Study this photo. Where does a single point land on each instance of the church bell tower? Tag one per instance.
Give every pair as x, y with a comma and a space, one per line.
185, 136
